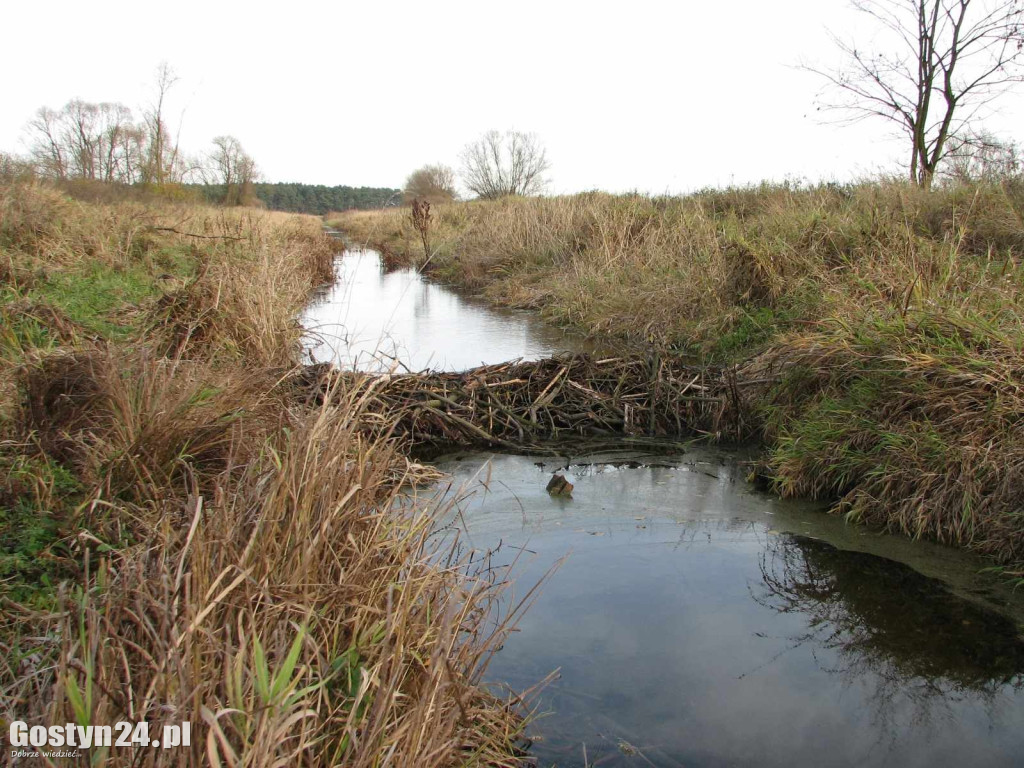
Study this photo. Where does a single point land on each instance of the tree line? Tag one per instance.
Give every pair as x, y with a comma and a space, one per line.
106, 146
308, 198
106, 143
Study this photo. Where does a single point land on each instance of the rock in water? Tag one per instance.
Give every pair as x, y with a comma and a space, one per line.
559, 486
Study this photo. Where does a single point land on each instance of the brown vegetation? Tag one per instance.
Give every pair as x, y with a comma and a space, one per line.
187, 537
522, 404
431, 184
885, 321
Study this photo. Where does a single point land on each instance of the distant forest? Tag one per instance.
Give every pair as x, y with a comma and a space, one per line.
310, 198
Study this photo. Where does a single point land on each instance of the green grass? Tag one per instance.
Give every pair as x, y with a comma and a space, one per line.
177, 260
20, 334
100, 294
97, 296
40, 495
753, 328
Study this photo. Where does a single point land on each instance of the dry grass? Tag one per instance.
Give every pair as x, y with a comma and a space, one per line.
717, 272
295, 613
216, 547
234, 307
892, 314
139, 426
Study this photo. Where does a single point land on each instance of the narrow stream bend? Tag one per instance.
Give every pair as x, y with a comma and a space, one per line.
696, 621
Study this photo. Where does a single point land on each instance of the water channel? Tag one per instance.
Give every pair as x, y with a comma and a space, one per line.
694, 620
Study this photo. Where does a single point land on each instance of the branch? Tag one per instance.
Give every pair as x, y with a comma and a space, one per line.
192, 234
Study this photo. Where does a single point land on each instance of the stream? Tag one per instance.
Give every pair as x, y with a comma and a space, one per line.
693, 620
373, 321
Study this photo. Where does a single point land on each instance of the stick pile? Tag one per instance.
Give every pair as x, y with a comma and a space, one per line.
514, 404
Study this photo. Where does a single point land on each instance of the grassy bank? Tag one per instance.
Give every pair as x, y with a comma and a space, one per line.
878, 326
184, 537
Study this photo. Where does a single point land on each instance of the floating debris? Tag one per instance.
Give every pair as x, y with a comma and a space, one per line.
559, 486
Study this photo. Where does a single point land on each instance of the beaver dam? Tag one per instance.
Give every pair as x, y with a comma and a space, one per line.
522, 403
692, 618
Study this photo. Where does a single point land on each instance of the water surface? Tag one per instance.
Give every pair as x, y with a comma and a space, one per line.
370, 318
698, 622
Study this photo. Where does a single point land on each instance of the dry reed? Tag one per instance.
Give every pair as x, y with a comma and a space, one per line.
232, 555
876, 327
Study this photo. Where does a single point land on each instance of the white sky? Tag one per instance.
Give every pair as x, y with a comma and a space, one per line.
659, 97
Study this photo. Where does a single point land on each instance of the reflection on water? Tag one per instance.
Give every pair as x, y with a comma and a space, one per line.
370, 318
881, 615
923, 648
697, 622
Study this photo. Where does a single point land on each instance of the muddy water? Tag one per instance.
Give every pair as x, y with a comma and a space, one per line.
695, 621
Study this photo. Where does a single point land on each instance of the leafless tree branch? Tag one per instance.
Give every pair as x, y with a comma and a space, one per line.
948, 60
499, 164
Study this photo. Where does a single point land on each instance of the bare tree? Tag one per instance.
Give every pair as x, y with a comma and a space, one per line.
81, 136
98, 142
47, 148
432, 183
96, 135
130, 141
162, 163
235, 169
118, 143
499, 164
948, 60
982, 156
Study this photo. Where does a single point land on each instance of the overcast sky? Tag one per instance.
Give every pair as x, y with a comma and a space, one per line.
659, 97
